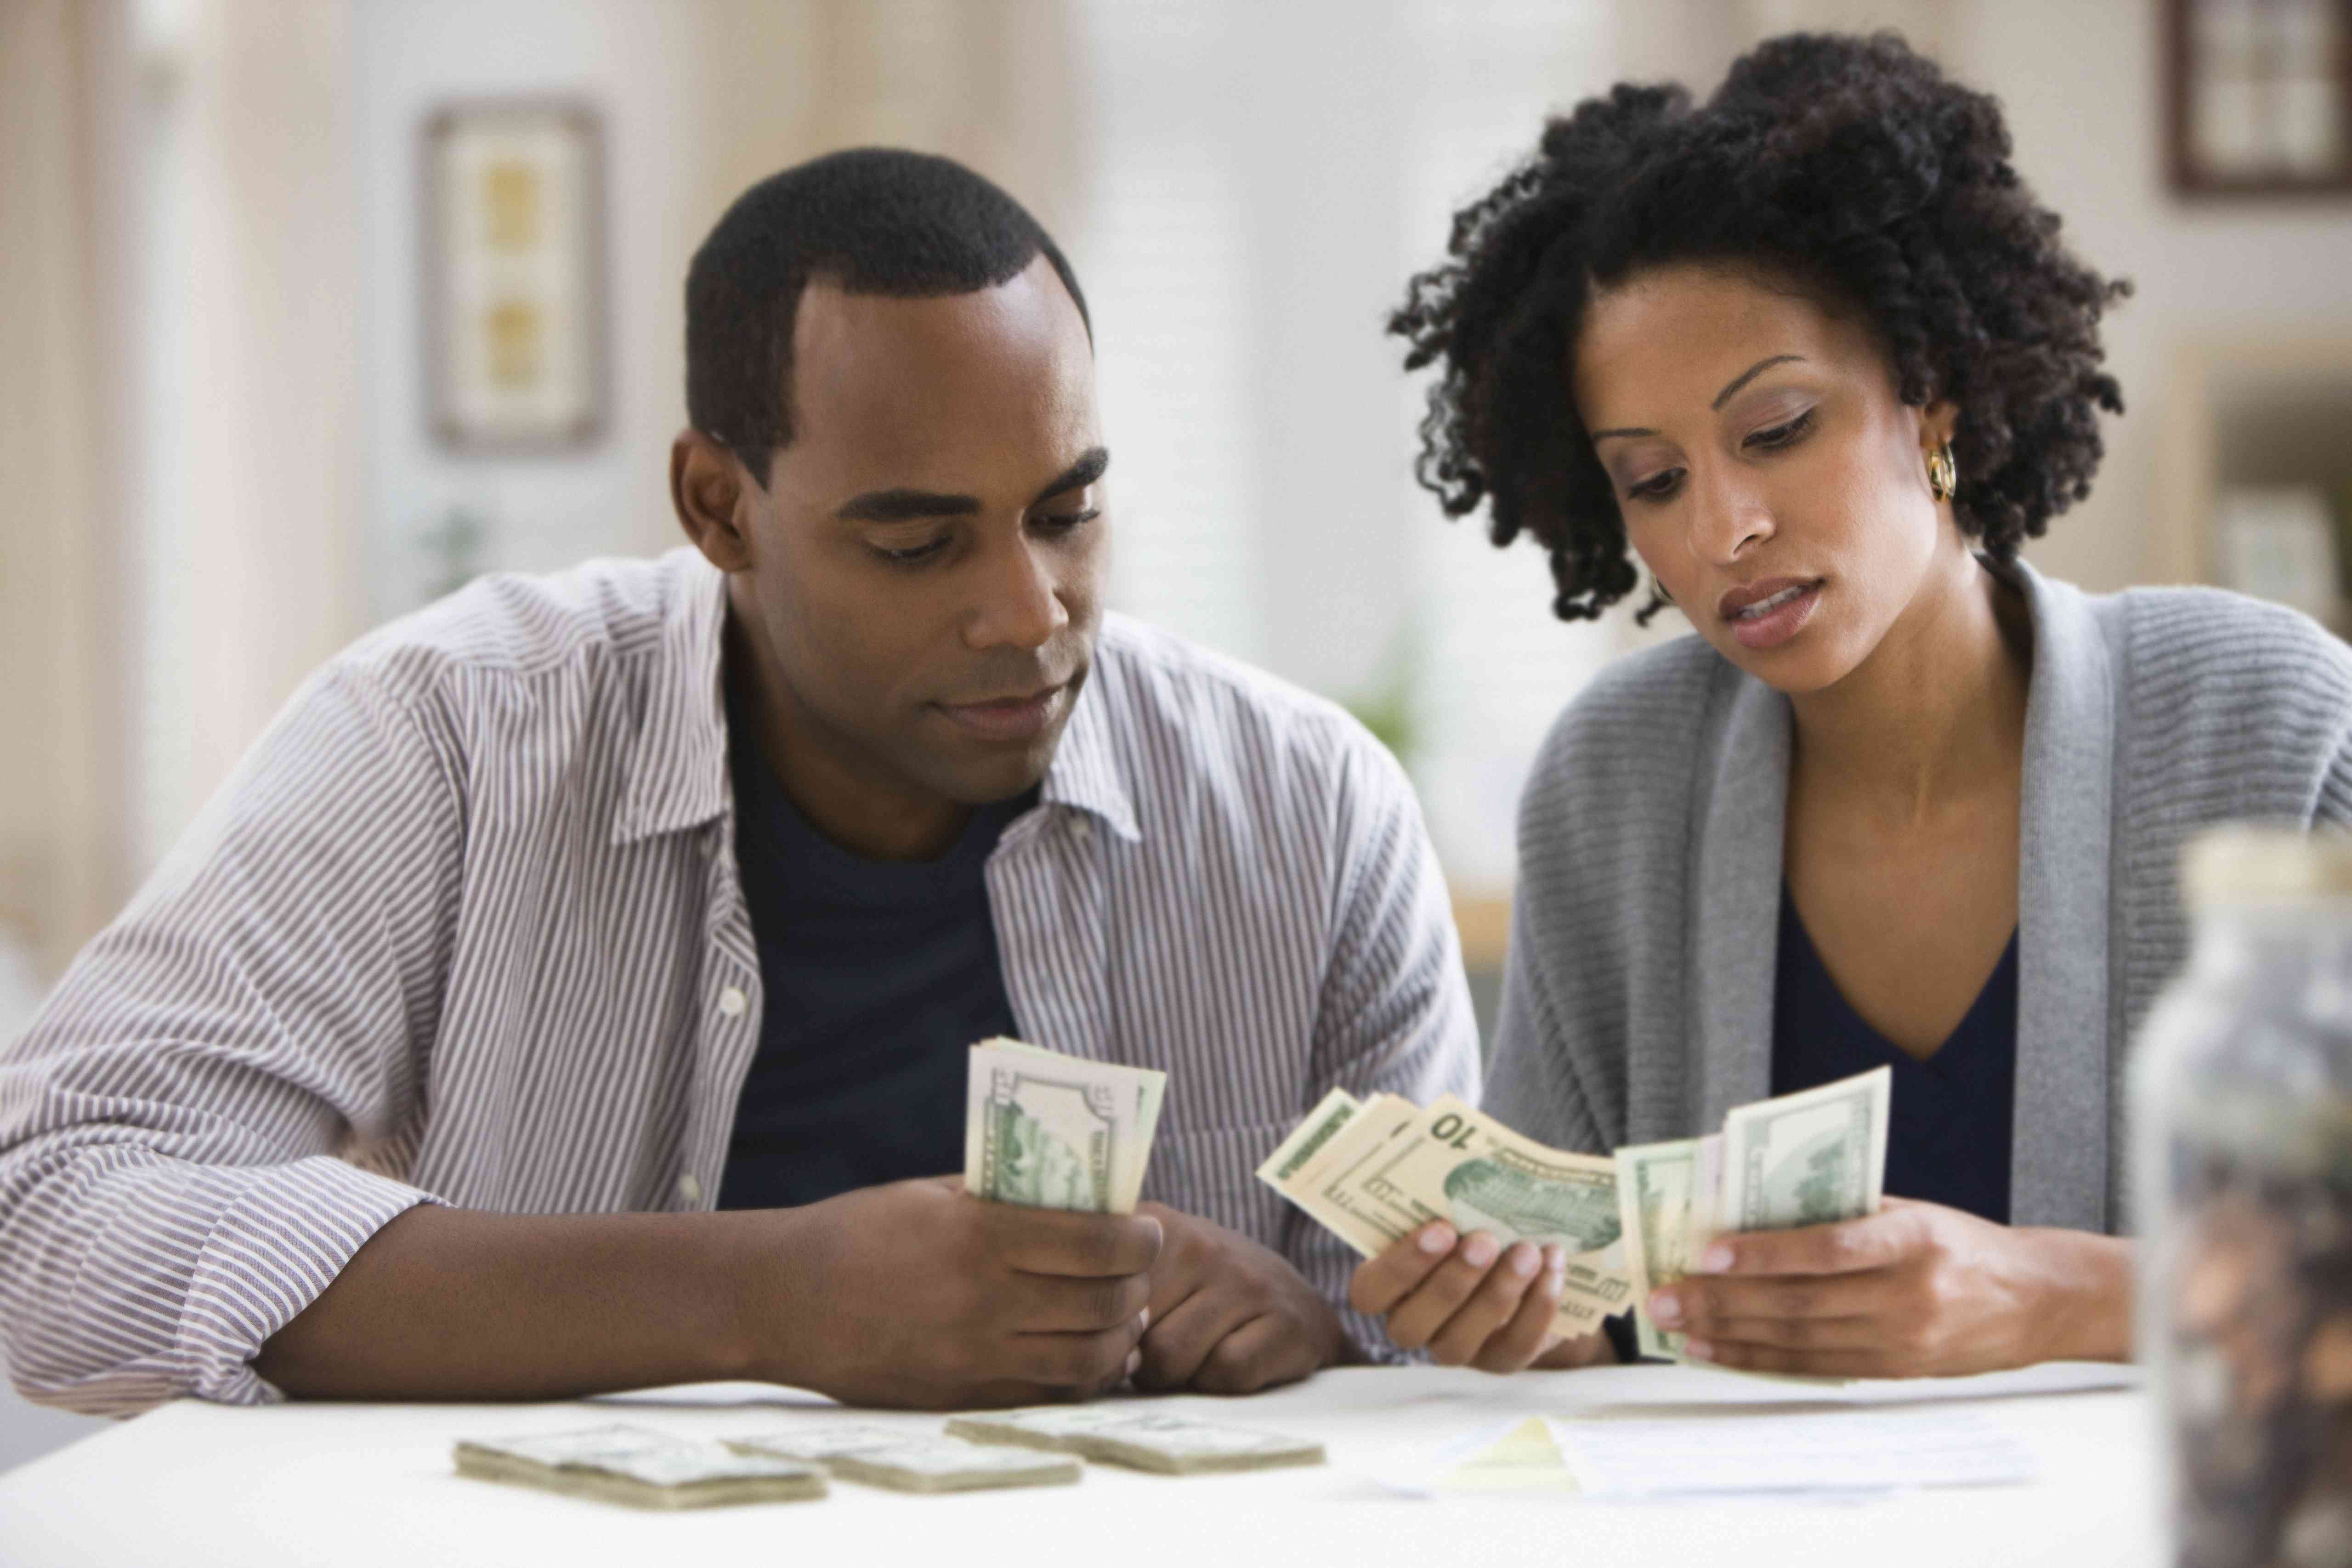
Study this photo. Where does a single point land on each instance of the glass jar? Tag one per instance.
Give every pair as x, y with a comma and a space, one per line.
2241, 1105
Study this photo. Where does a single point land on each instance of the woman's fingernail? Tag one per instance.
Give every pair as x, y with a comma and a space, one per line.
1480, 1250
1665, 1308
1556, 1257
1143, 1319
1436, 1238
1717, 1260
1134, 1362
1698, 1350
1524, 1260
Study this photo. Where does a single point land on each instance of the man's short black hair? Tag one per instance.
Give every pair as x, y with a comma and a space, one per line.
872, 220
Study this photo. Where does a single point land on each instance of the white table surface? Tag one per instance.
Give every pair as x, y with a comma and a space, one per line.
192, 1484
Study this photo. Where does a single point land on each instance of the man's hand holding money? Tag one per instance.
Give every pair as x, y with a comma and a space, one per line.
913, 1294
1228, 1316
1913, 1290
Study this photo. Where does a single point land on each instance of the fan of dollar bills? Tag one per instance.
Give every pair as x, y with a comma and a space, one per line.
1372, 1171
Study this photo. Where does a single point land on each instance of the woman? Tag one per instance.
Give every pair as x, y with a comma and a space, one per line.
1812, 355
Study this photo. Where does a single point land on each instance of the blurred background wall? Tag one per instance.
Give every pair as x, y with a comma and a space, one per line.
217, 468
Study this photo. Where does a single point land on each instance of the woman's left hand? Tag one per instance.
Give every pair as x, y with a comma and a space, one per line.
1913, 1290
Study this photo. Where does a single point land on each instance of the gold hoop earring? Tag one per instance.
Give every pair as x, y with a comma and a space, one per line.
1943, 472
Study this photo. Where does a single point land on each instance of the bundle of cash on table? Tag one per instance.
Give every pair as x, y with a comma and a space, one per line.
1165, 1444
641, 1468
1372, 1171
897, 1459
990, 1451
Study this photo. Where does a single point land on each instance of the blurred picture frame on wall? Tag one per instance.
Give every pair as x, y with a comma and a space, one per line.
512, 301
2279, 542
2257, 96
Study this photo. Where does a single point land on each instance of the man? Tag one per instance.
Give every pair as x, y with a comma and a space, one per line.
571, 991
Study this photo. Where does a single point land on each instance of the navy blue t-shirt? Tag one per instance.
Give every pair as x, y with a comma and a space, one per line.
1948, 1132
877, 975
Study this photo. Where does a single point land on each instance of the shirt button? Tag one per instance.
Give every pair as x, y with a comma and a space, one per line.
689, 1188
733, 1001
1084, 829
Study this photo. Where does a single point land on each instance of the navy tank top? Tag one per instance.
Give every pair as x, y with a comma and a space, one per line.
1947, 1138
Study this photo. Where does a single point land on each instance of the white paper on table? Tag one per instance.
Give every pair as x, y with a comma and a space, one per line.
1839, 1450
1455, 1465
1674, 1391
2038, 1381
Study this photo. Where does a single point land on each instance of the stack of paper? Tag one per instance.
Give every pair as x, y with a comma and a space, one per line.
1822, 1454
1833, 1451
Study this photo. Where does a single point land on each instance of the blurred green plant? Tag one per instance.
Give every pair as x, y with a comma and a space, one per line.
1390, 705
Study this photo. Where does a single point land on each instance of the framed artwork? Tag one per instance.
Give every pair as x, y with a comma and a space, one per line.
2278, 542
513, 284
2258, 96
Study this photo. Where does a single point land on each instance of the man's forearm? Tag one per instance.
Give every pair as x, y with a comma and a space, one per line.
447, 1303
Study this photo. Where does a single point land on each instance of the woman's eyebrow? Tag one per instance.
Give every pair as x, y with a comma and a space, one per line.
1749, 374
1741, 379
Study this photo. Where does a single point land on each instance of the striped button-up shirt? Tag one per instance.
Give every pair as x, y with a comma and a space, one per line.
466, 928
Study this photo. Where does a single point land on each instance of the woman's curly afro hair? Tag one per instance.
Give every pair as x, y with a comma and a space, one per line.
1846, 167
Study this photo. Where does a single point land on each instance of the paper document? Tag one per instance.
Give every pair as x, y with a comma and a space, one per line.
1518, 1455
1839, 1450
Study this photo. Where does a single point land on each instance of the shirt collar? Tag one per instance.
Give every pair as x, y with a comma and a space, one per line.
1085, 773
677, 765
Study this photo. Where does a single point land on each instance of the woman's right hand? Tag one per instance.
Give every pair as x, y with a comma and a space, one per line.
1470, 1301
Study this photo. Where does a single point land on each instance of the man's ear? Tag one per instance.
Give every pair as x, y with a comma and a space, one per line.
705, 489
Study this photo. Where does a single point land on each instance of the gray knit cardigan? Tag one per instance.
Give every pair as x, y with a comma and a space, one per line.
1637, 1001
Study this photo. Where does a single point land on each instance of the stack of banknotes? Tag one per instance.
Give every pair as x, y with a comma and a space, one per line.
1810, 1158
1372, 1171
898, 1461
641, 1468
1049, 1131
1165, 1444
1002, 1448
